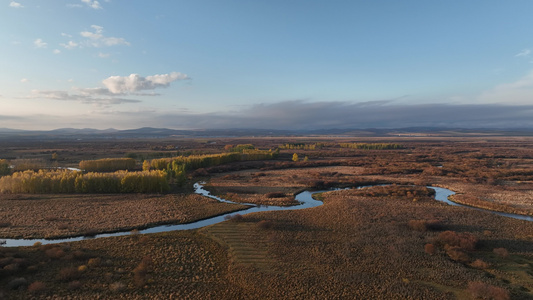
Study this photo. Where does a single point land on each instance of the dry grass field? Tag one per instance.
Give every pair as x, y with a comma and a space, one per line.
54, 216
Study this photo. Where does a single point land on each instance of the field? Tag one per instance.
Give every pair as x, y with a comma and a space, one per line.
382, 242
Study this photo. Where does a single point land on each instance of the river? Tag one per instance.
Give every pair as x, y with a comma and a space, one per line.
305, 198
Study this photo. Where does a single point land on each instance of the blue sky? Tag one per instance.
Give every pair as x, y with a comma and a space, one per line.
265, 64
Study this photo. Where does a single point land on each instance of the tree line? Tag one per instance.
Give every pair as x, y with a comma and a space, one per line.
65, 181
176, 167
302, 146
107, 164
111, 175
371, 146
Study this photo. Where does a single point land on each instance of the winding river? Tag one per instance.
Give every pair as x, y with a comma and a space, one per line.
305, 198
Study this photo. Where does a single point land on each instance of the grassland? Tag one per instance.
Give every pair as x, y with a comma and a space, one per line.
391, 242
55, 216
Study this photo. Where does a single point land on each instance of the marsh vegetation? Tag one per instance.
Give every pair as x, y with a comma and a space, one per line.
383, 242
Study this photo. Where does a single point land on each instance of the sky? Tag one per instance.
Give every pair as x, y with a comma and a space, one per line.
276, 64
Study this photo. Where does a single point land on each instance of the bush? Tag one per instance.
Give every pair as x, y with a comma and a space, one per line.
264, 224
69, 274
430, 249
141, 271
4, 224
480, 290
17, 283
36, 287
463, 240
117, 287
457, 254
480, 264
275, 195
94, 262
235, 217
74, 285
55, 253
501, 252
83, 268
424, 225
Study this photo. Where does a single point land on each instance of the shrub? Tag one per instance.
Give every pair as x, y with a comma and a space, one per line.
82, 268
36, 287
264, 224
94, 262
90, 233
501, 252
418, 225
55, 253
117, 287
17, 283
78, 254
12, 267
457, 254
463, 240
5, 261
480, 264
424, 225
480, 290
275, 195
141, 271
68, 274
74, 285
235, 217
430, 249
144, 240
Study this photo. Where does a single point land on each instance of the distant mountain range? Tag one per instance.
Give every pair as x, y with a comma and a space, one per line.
149, 132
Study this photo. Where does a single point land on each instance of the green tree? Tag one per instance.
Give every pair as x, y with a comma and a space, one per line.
4, 167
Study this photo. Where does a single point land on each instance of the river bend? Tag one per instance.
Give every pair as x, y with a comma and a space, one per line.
305, 198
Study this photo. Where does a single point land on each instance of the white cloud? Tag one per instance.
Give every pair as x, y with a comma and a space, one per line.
66, 35
15, 5
115, 86
39, 43
134, 82
56, 51
103, 55
70, 45
523, 53
85, 98
24, 80
97, 39
518, 92
92, 4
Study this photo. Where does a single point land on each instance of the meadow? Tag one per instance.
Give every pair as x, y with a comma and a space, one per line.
380, 242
